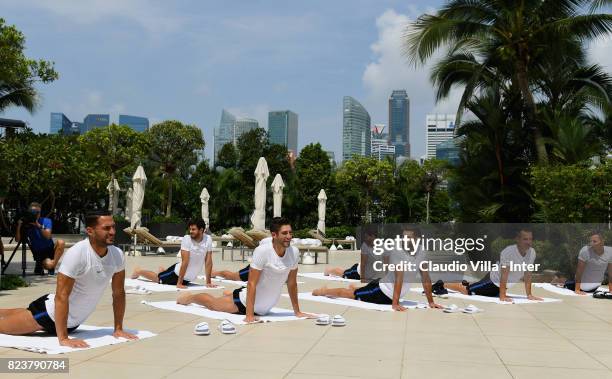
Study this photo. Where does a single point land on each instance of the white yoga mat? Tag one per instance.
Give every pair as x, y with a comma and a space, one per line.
156, 287
564, 291
355, 303
221, 279
322, 276
95, 336
275, 314
517, 299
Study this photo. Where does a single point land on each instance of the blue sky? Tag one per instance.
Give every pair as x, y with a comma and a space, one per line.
187, 60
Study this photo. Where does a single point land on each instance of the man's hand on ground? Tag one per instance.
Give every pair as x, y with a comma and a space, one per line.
74, 343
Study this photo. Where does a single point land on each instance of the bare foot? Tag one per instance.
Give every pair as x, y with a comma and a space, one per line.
319, 292
135, 273
352, 286
227, 292
183, 298
161, 269
326, 272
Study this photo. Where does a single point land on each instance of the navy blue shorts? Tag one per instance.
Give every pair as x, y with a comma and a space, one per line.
170, 277
571, 285
244, 273
483, 287
352, 273
236, 297
39, 311
372, 293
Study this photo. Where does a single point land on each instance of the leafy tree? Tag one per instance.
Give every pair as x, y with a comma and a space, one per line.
508, 41
173, 149
572, 193
374, 181
18, 73
228, 156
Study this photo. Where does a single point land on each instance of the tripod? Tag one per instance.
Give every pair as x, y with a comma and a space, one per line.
23, 244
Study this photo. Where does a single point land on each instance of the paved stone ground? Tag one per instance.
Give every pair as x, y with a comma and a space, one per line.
571, 339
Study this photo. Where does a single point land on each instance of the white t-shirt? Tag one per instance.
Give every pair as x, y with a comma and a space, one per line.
595, 268
91, 275
274, 273
368, 270
511, 255
197, 255
387, 283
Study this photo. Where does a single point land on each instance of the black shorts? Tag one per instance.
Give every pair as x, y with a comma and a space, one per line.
46, 253
169, 277
39, 311
571, 285
244, 273
352, 273
483, 287
372, 293
236, 297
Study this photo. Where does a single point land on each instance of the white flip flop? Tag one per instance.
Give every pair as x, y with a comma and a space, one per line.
338, 320
323, 320
226, 327
138, 291
471, 309
201, 329
451, 309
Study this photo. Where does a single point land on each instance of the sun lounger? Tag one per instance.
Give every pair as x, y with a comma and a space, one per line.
246, 242
318, 235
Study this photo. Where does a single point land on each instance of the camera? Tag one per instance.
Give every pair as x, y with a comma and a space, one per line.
27, 217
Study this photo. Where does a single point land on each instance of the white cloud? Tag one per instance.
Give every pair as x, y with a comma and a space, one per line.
600, 52
391, 69
148, 14
91, 101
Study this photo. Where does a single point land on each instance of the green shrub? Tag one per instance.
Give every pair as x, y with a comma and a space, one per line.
11, 282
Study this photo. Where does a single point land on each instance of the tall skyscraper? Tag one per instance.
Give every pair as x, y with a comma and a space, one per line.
224, 133
399, 122
283, 129
440, 128
381, 148
243, 125
60, 124
139, 124
356, 134
92, 121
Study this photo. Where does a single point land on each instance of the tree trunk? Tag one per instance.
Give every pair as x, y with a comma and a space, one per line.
169, 203
530, 110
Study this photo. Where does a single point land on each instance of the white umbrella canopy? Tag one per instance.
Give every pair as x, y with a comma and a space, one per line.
204, 198
128, 204
138, 188
322, 199
113, 195
258, 218
277, 194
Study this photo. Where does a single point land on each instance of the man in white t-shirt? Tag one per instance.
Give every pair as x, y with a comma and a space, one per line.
593, 261
273, 265
83, 275
395, 283
196, 254
496, 282
363, 270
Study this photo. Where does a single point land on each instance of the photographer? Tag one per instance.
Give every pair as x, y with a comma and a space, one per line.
38, 230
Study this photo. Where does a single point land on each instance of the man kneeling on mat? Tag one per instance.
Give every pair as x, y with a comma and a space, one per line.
392, 287
273, 265
593, 260
496, 283
196, 253
84, 274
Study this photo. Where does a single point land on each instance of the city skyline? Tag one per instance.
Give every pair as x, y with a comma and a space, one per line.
225, 60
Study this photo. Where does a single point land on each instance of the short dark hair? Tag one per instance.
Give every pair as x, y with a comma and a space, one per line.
201, 224
91, 218
523, 229
413, 229
277, 223
596, 233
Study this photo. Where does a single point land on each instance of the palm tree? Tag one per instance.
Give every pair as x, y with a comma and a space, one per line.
17, 95
510, 36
